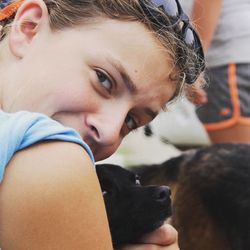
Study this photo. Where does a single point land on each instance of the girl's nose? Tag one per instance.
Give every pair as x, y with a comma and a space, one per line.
107, 126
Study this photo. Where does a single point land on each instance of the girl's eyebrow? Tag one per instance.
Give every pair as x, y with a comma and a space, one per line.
128, 82
124, 75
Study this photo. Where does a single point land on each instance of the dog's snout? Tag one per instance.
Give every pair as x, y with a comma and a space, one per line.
163, 193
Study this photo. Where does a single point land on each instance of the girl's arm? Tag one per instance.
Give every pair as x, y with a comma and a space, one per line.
50, 199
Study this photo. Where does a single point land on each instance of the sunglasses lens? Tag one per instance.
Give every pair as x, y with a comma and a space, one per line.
189, 38
170, 7
192, 40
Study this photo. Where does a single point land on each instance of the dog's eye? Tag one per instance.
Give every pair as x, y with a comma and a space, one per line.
104, 193
107, 186
137, 180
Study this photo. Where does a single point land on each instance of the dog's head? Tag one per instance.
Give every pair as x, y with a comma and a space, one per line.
132, 209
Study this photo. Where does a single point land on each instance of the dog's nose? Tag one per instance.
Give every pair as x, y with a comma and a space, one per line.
163, 193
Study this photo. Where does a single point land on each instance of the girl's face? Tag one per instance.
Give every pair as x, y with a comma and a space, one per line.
104, 80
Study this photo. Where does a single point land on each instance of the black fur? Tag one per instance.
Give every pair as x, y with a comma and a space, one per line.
132, 210
211, 195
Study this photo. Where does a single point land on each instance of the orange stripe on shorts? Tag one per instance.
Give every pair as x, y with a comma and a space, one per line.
232, 84
236, 116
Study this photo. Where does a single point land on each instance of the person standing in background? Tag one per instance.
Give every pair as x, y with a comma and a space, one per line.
224, 28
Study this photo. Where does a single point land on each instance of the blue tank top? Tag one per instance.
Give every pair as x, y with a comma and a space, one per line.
22, 129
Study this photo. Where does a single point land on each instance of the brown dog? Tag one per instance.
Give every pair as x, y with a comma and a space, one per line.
210, 194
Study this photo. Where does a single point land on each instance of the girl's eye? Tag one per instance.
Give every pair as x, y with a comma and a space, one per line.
131, 123
105, 81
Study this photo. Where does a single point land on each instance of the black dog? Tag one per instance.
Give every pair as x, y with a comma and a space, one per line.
132, 210
210, 194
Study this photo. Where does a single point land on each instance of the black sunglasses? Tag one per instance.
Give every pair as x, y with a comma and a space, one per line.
179, 22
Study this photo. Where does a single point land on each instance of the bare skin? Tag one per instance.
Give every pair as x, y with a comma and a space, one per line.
206, 15
238, 133
53, 206
165, 237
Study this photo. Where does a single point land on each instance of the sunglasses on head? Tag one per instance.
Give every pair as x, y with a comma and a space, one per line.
179, 22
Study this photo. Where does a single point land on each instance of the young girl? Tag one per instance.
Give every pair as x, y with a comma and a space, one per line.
76, 77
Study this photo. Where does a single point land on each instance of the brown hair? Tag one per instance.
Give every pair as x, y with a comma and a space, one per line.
70, 13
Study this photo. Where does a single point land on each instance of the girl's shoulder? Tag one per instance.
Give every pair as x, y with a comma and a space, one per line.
22, 129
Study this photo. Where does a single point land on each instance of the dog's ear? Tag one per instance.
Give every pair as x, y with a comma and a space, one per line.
171, 167
159, 174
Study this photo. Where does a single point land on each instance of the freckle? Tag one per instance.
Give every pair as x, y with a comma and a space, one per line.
136, 71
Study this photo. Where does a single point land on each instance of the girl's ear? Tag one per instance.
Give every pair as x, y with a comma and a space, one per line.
30, 18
